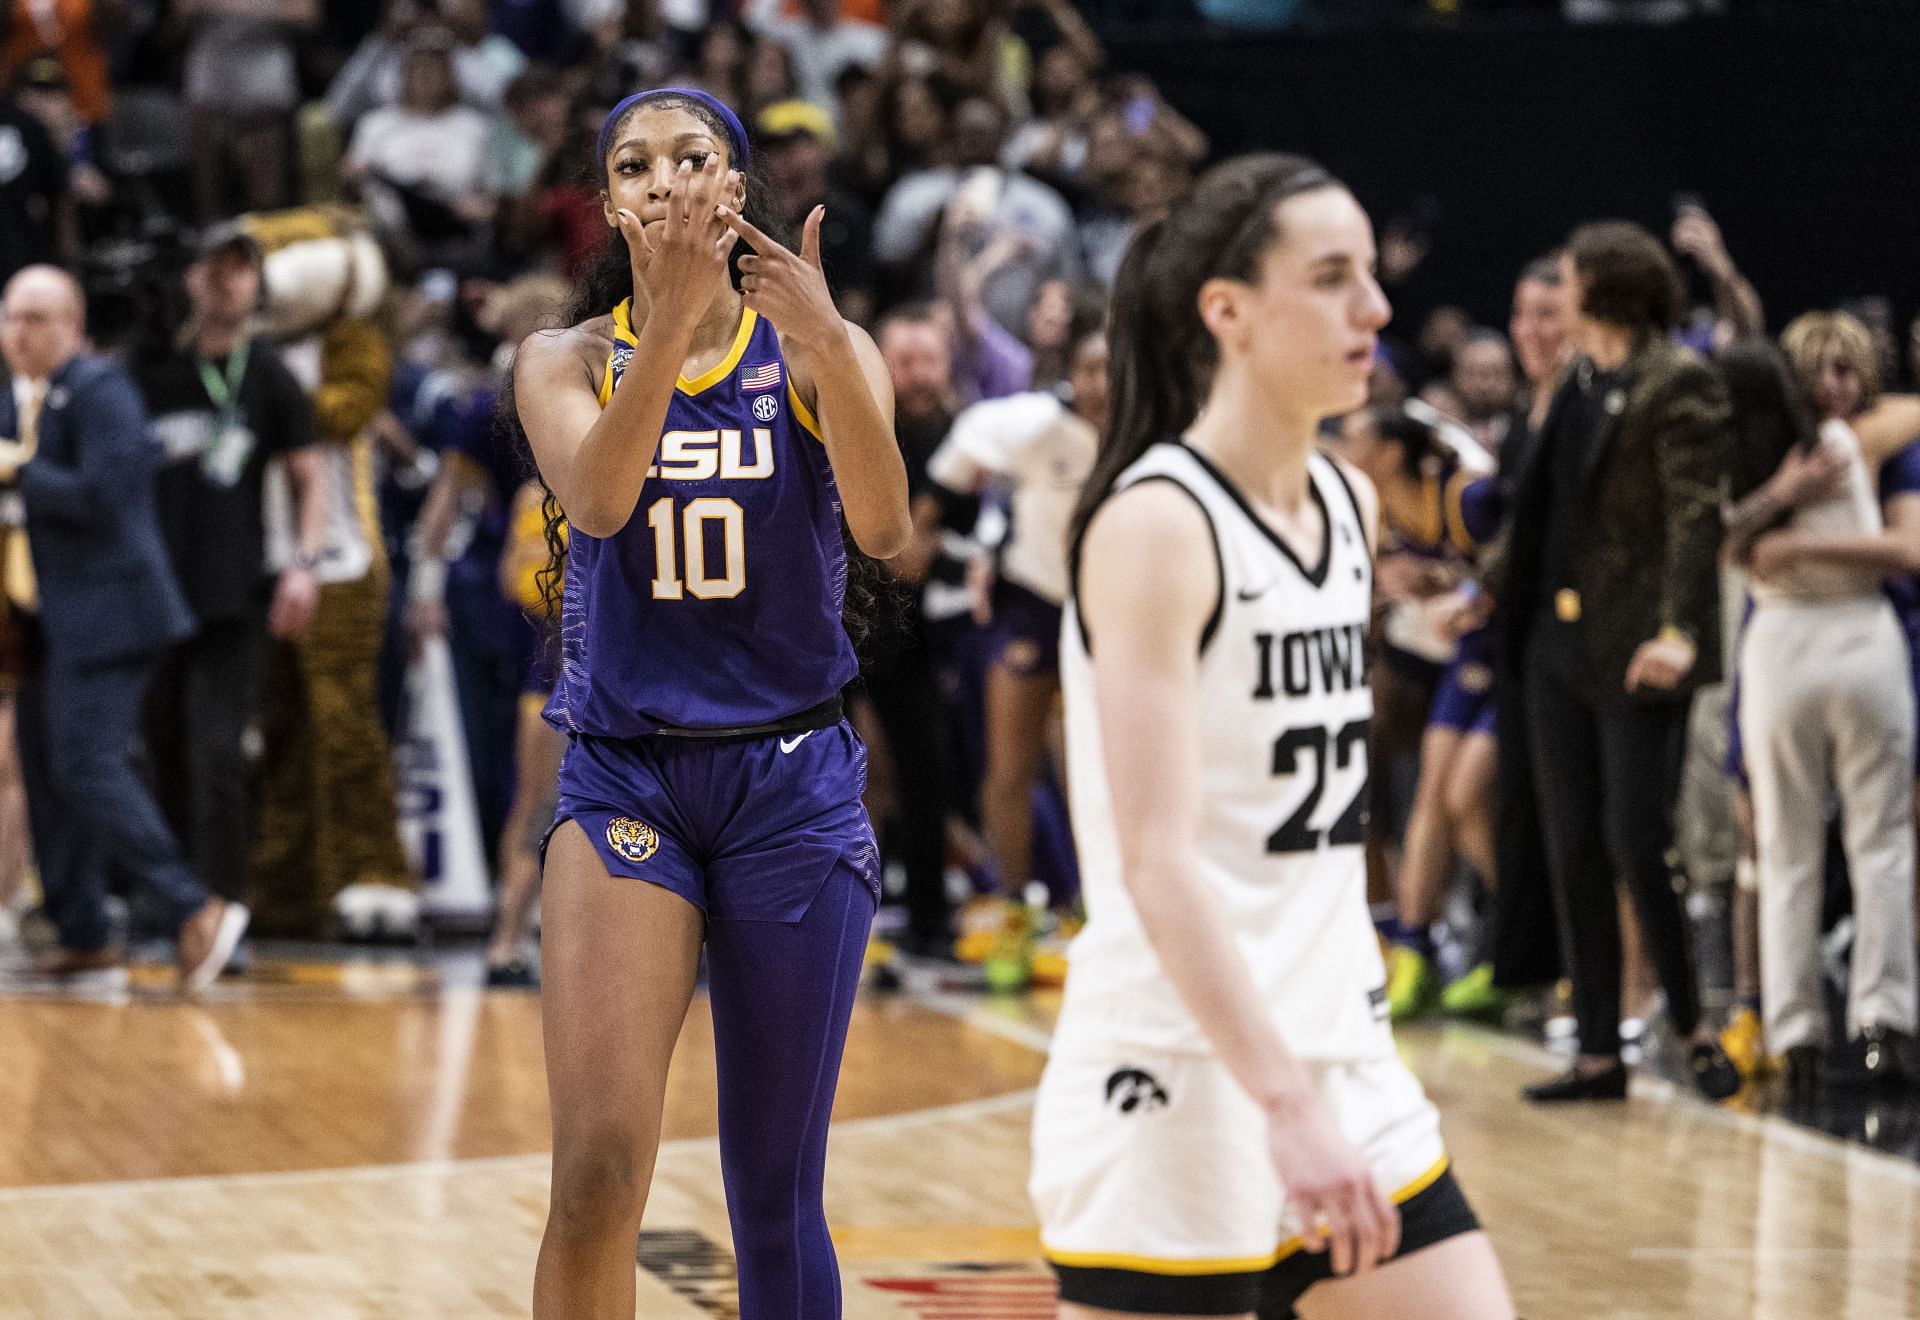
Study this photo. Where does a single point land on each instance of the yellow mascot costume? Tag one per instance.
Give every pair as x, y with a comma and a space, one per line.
328, 817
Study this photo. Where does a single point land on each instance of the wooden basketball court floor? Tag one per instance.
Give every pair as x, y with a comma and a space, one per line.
368, 1140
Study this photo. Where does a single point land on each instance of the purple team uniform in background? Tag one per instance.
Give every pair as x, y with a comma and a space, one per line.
702, 655
1463, 699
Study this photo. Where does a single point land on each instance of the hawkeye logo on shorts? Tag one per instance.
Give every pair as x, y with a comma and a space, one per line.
1131, 1091
631, 839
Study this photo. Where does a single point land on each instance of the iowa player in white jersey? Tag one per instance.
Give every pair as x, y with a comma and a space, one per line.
1224, 1128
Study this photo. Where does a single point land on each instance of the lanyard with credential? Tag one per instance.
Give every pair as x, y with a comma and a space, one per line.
227, 454
225, 390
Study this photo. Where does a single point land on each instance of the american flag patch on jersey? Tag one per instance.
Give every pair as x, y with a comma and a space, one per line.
763, 377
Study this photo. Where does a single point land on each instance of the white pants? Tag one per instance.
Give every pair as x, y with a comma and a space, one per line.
1826, 708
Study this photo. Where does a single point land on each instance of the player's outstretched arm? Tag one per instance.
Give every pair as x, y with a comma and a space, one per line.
837, 368
1144, 598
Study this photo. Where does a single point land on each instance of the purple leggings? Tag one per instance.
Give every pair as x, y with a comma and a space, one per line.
782, 993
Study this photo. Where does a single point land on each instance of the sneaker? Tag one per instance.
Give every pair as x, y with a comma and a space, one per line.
1476, 996
1609, 1084
1745, 1042
1713, 1072
207, 940
979, 925
1413, 986
1009, 964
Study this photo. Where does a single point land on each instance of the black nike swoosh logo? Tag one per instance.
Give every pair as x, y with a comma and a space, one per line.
1246, 595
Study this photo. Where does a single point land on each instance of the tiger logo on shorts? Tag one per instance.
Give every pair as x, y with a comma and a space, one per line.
632, 839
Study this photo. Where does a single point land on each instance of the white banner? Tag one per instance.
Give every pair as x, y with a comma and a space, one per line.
438, 822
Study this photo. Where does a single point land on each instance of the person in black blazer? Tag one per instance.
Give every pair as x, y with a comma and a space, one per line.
1610, 581
80, 461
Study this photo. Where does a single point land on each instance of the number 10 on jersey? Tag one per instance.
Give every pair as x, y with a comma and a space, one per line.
681, 564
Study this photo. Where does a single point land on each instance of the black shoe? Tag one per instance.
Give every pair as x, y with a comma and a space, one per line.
1885, 1057
1610, 1084
1805, 1064
1713, 1072
516, 975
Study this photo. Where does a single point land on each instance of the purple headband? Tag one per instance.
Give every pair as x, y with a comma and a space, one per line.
736, 131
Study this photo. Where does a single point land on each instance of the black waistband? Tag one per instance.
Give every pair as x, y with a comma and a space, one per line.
824, 716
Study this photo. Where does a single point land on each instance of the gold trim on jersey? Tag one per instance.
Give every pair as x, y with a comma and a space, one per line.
706, 380
1099, 1260
803, 414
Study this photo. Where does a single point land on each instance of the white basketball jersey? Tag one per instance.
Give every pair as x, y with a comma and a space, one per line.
1284, 707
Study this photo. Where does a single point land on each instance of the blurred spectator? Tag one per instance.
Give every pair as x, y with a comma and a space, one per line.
483, 63
633, 48
1064, 312
422, 163
242, 86
457, 546
1053, 144
720, 62
33, 185
1913, 352
532, 130
75, 32
224, 406
768, 78
1826, 713
1038, 449
968, 43
1737, 310
1540, 325
984, 205
99, 583
1612, 580
550, 30
1441, 333
797, 146
900, 679
1483, 382
42, 91
1141, 154
823, 44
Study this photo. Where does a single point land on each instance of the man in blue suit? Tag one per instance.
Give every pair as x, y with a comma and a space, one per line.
76, 453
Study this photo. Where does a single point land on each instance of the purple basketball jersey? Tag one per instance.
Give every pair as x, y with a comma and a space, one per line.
718, 605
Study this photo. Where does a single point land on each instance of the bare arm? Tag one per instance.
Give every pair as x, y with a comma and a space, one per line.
1888, 427
838, 368
1143, 553
854, 393
595, 459
297, 593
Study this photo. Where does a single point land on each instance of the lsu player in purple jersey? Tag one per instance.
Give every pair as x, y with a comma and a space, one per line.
704, 431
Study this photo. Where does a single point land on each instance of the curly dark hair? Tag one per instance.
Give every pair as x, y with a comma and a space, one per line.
1630, 280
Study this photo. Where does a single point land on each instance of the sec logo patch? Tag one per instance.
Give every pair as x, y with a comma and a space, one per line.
631, 839
766, 408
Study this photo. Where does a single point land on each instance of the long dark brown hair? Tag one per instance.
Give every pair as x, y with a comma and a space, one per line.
605, 281
1161, 355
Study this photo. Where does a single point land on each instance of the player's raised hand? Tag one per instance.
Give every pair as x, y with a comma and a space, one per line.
678, 266
789, 288
1331, 1189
